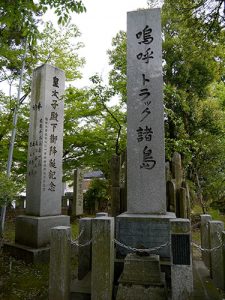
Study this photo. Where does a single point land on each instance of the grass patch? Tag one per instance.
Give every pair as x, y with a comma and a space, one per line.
23, 281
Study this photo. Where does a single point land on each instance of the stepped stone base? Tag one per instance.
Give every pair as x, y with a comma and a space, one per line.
34, 232
141, 279
28, 254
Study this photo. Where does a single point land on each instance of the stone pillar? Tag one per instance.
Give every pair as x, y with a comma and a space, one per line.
84, 253
206, 257
181, 261
60, 262
215, 232
102, 258
45, 149
77, 204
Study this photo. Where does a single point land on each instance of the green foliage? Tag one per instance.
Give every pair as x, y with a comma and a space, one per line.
98, 192
94, 129
8, 189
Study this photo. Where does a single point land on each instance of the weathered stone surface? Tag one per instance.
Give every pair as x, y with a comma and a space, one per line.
182, 282
144, 270
146, 190
102, 258
44, 175
215, 231
60, 263
206, 257
84, 253
35, 231
140, 292
181, 268
141, 278
143, 230
77, 205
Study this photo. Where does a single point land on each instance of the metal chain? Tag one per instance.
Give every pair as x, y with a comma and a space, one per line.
81, 245
77, 238
74, 242
141, 250
212, 249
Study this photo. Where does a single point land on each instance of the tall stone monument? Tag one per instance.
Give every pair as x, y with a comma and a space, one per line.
146, 222
44, 172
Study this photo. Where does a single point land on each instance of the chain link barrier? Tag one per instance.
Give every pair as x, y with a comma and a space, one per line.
211, 249
141, 250
147, 250
76, 241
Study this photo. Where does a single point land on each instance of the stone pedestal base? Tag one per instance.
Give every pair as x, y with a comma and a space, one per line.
34, 232
141, 279
28, 254
144, 231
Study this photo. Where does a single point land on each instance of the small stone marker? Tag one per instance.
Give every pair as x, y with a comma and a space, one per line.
145, 115
181, 264
217, 264
77, 206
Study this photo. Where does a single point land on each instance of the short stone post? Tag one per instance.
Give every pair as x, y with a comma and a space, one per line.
60, 262
205, 239
115, 189
215, 240
84, 253
181, 261
102, 258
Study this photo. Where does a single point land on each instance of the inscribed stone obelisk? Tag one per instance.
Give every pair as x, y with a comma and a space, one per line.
146, 222
145, 137
44, 174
